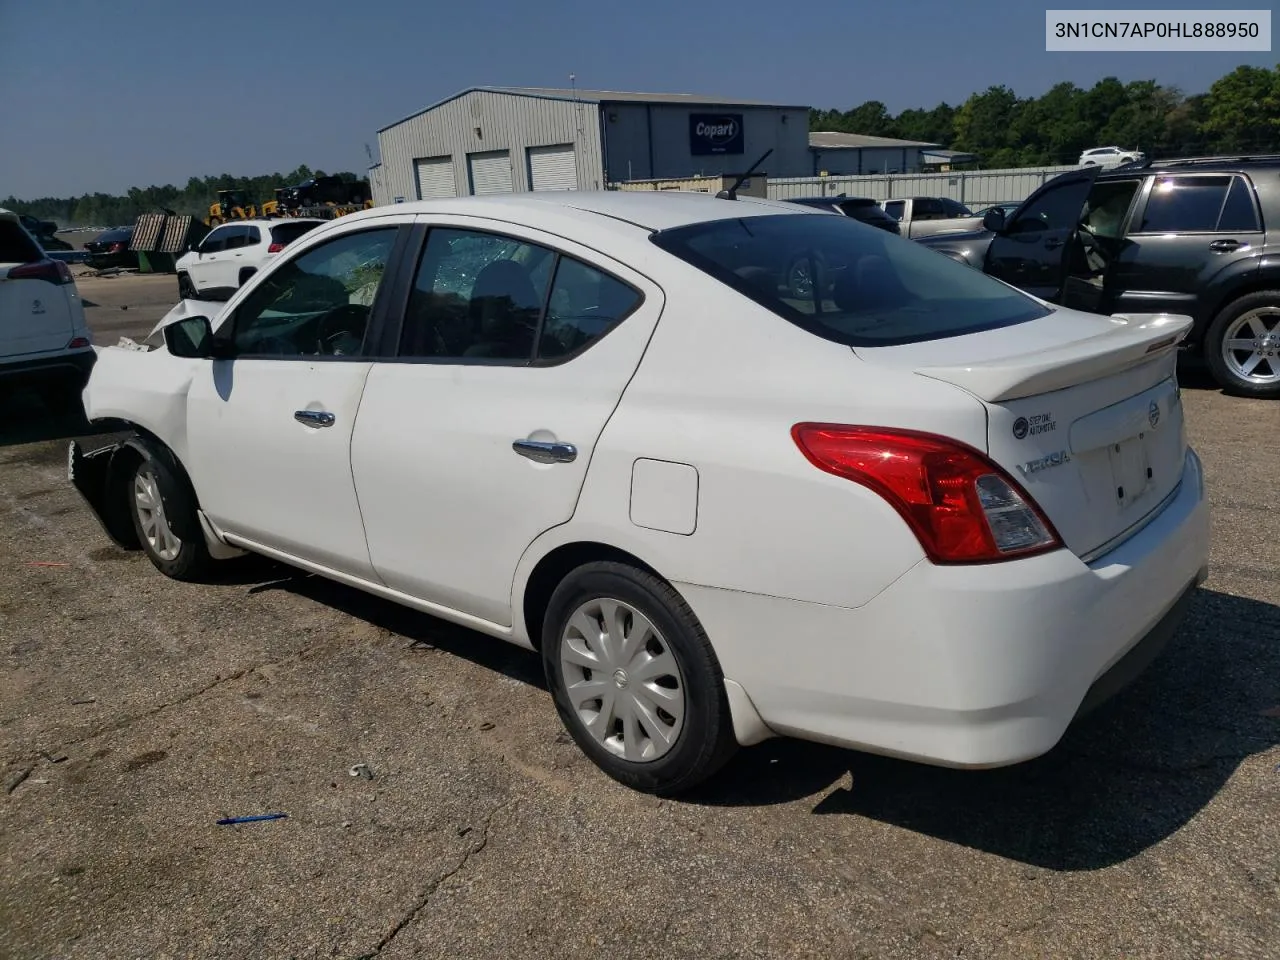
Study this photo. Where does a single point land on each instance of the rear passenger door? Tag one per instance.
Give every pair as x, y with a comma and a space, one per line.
475, 435
1186, 232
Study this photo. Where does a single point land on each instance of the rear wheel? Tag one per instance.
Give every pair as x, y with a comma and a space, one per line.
635, 680
164, 517
1242, 346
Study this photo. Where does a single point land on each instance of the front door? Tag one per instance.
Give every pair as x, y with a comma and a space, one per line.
269, 426
203, 270
1031, 250
515, 351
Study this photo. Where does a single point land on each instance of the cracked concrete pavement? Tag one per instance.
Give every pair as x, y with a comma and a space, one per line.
135, 712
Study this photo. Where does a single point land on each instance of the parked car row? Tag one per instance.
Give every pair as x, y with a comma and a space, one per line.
911, 509
1185, 236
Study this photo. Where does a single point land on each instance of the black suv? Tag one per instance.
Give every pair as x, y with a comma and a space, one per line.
862, 209
1174, 236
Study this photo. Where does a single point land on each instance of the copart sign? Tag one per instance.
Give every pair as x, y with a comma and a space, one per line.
715, 133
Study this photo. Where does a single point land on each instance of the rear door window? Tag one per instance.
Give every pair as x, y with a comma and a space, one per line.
848, 284
1185, 204
252, 235
895, 208
236, 237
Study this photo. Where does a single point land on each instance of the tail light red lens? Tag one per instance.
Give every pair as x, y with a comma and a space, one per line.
78, 342
275, 248
52, 271
116, 247
962, 507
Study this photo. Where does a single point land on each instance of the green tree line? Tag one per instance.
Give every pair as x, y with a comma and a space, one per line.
1240, 112
107, 210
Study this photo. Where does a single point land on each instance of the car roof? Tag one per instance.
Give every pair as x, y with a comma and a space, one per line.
646, 209
1192, 165
270, 221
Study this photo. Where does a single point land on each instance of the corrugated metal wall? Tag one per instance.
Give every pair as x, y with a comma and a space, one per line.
973, 188
638, 133
506, 122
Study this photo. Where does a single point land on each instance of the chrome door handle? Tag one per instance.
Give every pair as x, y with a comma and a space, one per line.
1053, 243
541, 451
1224, 245
314, 418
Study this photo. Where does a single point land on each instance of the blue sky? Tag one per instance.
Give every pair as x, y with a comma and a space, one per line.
100, 96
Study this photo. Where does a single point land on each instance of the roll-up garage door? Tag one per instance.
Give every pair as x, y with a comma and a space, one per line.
435, 178
553, 168
490, 172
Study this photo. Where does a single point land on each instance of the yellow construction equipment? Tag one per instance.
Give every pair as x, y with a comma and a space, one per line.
231, 205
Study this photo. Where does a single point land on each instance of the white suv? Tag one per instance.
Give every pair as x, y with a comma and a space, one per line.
1110, 157
43, 335
231, 253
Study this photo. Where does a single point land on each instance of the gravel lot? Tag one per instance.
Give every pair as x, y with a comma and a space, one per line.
135, 712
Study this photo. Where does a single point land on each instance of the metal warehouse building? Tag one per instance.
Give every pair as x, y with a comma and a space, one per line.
503, 139
854, 153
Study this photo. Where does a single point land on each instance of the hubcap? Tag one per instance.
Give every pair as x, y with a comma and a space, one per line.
1251, 346
151, 517
800, 281
623, 681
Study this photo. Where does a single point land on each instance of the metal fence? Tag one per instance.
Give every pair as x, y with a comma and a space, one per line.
970, 187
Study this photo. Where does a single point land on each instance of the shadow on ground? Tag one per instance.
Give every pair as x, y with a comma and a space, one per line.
1130, 775
1125, 778
26, 419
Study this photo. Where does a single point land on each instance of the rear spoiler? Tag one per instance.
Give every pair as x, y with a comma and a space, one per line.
1135, 339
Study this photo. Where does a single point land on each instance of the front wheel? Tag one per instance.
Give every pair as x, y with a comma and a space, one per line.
635, 680
164, 517
1242, 346
185, 290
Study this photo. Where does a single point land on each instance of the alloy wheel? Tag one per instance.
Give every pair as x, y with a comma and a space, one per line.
1251, 346
151, 517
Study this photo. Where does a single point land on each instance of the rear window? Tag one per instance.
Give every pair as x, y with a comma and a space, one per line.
289, 232
847, 282
15, 245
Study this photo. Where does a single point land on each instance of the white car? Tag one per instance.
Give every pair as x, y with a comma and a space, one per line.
918, 512
44, 341
229, 254
1110, 157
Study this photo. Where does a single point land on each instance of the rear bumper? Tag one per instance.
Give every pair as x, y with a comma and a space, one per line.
977, 666
70, 363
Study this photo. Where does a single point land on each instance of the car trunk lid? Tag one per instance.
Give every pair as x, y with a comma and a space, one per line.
1082, 410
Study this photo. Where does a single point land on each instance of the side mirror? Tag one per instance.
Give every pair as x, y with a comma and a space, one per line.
993, 221
190, 337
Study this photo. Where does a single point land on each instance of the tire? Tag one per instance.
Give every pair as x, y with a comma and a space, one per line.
155, 479
245, 274
1252, 321
684, 666
185, 290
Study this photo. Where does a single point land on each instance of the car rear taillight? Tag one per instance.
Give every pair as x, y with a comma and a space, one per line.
53, 271
275, 248
77, 342
116, 247
961, 506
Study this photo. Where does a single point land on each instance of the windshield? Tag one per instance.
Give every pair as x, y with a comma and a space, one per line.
848, 282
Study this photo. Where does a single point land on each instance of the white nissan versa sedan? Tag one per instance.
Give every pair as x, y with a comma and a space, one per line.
916, 512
